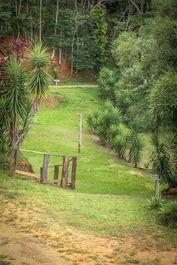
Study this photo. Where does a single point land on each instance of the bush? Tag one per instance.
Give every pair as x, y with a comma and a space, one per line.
4, 160
102, 122
136, 143
93, 120
120, 141
156, 202
168, 214
161, 163
107, 80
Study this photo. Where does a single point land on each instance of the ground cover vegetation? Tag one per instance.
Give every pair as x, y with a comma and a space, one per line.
140, 84
109, 203
131, 47
24, 82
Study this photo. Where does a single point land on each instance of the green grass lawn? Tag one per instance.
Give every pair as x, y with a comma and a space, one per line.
110, 195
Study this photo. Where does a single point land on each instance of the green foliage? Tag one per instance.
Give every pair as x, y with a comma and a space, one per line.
38, 83
37, 57
174, 157
4, 158
143, 82
156, 202
38, 80
109, 127
120, 141
99, 31
168, 214
163, 99
125, 49
17, 107
15, 99
93, 120
102, 122
166, 7
107, 80
136, 143
161, 163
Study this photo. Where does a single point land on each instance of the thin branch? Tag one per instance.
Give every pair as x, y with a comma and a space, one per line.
135, 5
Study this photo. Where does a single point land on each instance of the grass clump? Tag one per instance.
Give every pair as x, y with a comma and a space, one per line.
156, 202
168, 214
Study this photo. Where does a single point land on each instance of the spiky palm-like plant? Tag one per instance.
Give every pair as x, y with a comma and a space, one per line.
136, 144
162, 163
13, 109
38, 59
23, 92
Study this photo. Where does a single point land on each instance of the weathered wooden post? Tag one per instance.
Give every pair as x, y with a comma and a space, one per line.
64, 179
73, 176
80, 135
44, 170
41, 175
156, 186
56, 173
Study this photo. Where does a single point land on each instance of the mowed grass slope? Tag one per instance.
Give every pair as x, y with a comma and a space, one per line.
110, 195
99, 171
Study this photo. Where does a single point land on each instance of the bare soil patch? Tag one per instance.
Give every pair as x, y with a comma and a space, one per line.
29, 236
74, 86
52, 100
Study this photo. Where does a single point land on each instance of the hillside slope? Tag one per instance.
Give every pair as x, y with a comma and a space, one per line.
104, 221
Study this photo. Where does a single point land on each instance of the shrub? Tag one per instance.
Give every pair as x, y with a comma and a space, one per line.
120, 141
4, 160
93, 120
107, 80
156, 202
161, 163
136, 143
103, 121
168, 214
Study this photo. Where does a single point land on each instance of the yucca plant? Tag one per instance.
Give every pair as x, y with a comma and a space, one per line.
13, 107
136, 143
156, 202
162, 164
168, 214
38, 60
23, 91
120, 141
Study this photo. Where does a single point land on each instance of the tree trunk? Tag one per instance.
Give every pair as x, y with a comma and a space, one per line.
40, 21
72, 50
31, 30
13, 147
13, 162
19, 8
56, 23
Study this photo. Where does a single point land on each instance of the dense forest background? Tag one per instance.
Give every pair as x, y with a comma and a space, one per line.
80, 31
131, 46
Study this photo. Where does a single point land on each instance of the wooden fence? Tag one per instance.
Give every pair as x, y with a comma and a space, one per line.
67, 161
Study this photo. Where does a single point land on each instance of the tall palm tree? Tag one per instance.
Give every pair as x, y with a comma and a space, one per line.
14, 103
24, 89
38, 59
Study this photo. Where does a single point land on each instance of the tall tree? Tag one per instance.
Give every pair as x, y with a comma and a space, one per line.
23, 90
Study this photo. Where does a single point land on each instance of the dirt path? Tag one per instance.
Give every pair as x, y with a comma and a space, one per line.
19, 248
74, 86
34, 176
28, 236
25, 173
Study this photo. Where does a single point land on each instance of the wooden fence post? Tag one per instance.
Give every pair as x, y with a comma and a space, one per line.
156, 186
80, 135
73, 176
41, 175
44, 170
56, 173
64, 179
